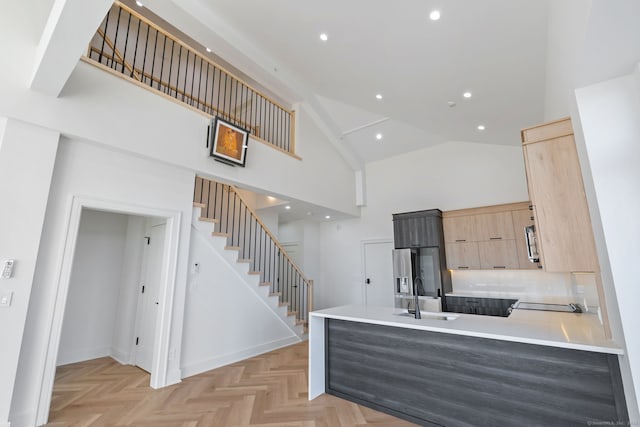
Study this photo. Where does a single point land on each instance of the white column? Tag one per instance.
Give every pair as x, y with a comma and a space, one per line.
27, 157
609, 115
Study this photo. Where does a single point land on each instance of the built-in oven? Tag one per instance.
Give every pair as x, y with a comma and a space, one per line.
532, 243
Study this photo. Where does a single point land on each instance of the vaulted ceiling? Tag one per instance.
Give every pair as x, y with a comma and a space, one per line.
494, 49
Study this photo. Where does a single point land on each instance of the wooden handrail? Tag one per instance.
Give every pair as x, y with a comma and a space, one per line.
310, 296
118, 60
195, 52
269, 233
117, 53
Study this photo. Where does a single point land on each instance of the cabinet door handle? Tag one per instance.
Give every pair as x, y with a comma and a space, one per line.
499, 266
460, 240
462, 268
495, 238
530, 207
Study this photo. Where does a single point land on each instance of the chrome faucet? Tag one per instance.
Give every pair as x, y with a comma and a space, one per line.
415, 295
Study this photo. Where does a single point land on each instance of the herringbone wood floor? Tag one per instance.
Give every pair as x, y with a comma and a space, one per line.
267, 390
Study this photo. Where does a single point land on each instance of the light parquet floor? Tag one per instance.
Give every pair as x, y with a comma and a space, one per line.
265, 391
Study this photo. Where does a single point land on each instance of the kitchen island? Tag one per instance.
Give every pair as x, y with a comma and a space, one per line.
532, 368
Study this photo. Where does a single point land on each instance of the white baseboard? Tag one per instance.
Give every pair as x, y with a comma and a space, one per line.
66, 358
216, 362
120, 356
25, 419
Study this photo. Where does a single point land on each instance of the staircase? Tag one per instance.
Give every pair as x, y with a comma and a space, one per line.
241, 237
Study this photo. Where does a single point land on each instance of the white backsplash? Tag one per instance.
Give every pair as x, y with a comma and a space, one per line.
529, 285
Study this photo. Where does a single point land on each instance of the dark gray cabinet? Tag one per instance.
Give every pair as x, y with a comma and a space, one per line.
418, 229
433, 378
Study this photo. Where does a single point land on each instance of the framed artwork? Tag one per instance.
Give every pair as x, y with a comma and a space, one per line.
229, 142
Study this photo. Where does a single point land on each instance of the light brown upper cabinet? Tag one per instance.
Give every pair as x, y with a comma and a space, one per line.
495, 226
462, 255
498, 254
460, 229
560, 211
484, 238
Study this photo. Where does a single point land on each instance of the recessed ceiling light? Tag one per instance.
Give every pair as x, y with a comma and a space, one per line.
467, 94
379, 96
324, 37
327, 217
287, 207
378, 136
208, 50
481, 127
139, 3
435, 15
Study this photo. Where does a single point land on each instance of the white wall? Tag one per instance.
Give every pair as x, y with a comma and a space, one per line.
608, 113
448, 176
92, 302
85, 169
225, 319
566, 30
27, 155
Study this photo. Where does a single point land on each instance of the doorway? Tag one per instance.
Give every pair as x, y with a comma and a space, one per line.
160, 374
378, 273
112, 302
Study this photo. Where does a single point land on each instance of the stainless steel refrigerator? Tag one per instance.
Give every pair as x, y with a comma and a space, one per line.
411, 263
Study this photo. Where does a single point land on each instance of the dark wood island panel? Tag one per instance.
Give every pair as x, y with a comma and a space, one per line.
434, 378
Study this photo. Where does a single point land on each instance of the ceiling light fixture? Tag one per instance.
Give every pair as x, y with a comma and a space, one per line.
324, 37
208, 50
327, 217
481, 127
139, 3
287, 207
379, 96
467, 94
378, 136
435, 15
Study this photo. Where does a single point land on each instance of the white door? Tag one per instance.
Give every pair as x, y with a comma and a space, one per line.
148, 306
378, 274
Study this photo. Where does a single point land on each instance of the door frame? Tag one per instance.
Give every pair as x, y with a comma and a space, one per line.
363, 263
161, 353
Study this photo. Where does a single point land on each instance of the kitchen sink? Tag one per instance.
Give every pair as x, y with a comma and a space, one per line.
427, 315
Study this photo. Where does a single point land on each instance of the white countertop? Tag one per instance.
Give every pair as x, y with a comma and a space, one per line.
579, 331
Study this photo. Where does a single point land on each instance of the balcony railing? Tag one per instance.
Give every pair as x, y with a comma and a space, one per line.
256, 244
131, 44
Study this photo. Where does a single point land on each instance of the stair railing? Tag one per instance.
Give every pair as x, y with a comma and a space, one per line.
138, 49
256, 244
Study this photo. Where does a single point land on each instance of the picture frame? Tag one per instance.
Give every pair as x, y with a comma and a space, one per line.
228, 142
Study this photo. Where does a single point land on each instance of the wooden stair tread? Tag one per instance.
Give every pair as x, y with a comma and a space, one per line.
232, 248
283, 304
244, 261
199, 205
292, 313
275, 294
254, 273
217, 233
205, 219
265, 283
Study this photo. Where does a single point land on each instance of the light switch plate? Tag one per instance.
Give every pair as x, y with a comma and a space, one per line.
5, 298
7, 268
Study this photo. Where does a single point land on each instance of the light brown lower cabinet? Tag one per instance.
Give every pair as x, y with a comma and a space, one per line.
498, 254
462, 256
